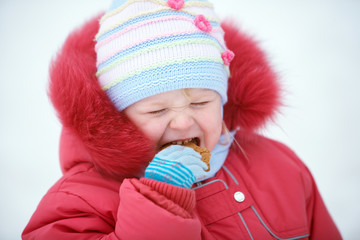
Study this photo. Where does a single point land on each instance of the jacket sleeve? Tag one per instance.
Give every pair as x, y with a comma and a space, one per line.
62, 215
322, 224
147, 210
154, 210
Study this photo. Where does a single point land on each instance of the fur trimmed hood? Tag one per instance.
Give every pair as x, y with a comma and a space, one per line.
93, 130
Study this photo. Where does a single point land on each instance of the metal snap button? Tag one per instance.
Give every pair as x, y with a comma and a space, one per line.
239, 196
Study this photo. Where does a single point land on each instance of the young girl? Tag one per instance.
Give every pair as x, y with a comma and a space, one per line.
158, 74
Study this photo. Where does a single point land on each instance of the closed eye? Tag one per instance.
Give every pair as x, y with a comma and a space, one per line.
157, 112
199, 104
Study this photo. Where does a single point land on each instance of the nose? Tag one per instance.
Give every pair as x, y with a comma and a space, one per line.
181, 121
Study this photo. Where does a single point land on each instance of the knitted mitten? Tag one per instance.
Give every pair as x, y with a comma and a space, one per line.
177, 165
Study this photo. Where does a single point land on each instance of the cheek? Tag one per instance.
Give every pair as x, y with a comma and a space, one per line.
217, 120
216, 129
152, 129
212, 128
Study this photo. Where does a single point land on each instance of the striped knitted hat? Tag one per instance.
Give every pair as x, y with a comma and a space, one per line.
146, 47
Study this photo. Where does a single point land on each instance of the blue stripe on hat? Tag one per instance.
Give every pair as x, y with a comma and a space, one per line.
200, 74
153, 42
147, 17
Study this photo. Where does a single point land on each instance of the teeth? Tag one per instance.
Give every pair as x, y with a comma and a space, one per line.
182, 142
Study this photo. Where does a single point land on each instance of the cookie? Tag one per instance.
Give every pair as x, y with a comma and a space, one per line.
204, 152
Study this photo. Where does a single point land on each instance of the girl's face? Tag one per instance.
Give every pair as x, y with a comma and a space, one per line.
179, 115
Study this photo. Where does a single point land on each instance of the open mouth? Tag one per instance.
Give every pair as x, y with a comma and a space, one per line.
194, 140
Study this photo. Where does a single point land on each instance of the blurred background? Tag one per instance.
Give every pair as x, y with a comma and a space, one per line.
313, 45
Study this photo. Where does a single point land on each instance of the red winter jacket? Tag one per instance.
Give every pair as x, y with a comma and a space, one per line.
263, 190
268, 195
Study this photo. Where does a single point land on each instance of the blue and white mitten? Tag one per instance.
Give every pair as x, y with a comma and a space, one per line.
177, 165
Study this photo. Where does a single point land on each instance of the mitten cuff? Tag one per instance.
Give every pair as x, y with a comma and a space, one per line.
181, 196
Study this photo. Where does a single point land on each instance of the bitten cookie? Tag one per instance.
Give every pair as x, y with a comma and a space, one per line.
204, 152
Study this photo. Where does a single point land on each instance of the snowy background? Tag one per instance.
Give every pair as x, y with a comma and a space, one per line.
314, 45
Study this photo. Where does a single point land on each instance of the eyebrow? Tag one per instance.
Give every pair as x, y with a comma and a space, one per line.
153, 105
156, 103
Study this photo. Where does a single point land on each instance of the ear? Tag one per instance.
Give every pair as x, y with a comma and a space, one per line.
253, 90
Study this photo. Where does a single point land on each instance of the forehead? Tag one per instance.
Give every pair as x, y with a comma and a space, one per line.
171, 96
193, 92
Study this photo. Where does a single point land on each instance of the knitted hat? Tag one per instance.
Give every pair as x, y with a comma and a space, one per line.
146, 47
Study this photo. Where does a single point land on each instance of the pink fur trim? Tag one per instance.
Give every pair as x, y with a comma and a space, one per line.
117, 148
253, 90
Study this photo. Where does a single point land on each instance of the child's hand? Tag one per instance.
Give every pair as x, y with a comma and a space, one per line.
177, 165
